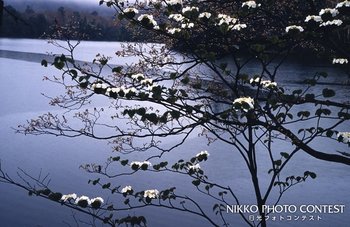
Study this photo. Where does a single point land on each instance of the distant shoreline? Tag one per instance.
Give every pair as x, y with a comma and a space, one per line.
25, 56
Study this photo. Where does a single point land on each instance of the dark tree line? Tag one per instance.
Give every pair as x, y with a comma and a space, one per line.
32, 24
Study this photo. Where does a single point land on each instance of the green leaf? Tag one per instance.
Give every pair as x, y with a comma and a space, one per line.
163, 164
327, 111
320, 129
59, 65
46, 191
117, 69
323, 74
173, 76
116, 158
44, 63
284, 155
164, 118
81, 78
105, 186
222, 193
141, 219
84, 85
120, 15
96, 181
343, 115
176, 166
223, 66
311, 82
280, 115
74, 73
144, 166
197, 85
134, 167
216, 206
152, 118
96, 204
309, 97
126, 201
124, 162
303, 114
329, 133
312, 175
297, 92
196, 182
55, 196
63, 57
258, 47
183, 93
318, 112
328, 93
310, 130
141, 111
185, 80
278, 162
165, 193
175, 114
290, 116
148, 200
243, 77
70, 60
131, 113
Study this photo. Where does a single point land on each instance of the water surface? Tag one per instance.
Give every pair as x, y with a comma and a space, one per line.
20, 90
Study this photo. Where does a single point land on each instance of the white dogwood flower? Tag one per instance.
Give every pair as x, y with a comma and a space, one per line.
333, 12
343, 4
294, 27
195, 167
202, 153
243, 103
67, 197
345, 136
131, 10
97, 199
340, 61
204, 15
313, 18
250, 4
83, 198
173, 30
127, 189
336, 22
152, 194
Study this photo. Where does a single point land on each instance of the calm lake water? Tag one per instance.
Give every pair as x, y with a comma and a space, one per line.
20, 91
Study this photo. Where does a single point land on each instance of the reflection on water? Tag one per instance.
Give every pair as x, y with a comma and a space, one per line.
21, 99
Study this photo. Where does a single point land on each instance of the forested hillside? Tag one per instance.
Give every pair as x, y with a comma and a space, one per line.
36, 21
